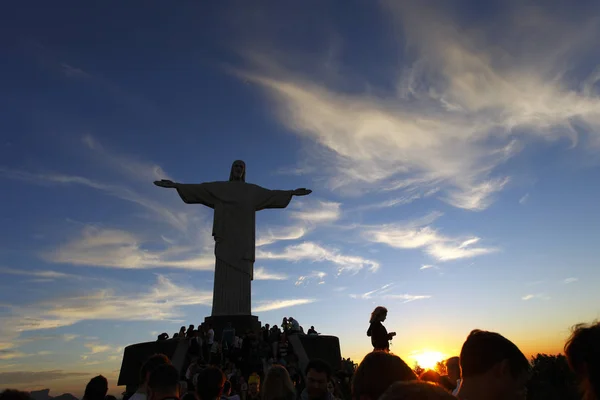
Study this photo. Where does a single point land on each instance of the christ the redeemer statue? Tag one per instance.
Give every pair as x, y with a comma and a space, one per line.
235, 203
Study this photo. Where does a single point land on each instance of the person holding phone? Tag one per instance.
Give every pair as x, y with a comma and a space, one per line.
380, 338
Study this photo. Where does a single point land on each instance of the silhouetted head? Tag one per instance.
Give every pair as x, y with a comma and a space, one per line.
416, 391
583, 353
278, 385
238, 171
96, 388
210, 383
151, 364
318, 374
489, 360
453, 368
163, 383
376, 372
430, 376
379, 314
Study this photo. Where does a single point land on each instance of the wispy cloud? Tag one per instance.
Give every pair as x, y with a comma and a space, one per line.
120, 249
96, 348
20, 377
47, 274
416, 235
406, 297
318, 212
316, 253
570, 280
272, 235
261, 274
383, 293
524, 199
318, 276
540, 296
427, 266
465, 104
157, 303
270, 305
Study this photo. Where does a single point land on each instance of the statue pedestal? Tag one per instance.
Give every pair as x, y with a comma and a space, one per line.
241, 324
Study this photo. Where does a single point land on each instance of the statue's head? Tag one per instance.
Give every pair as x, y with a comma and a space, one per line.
238, 171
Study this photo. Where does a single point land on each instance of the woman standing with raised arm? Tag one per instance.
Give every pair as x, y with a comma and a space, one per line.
380, 338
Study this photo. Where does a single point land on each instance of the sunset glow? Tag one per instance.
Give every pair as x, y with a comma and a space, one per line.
427, 359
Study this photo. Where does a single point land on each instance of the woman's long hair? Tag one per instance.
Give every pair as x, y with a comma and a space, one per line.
377, 313
278, 385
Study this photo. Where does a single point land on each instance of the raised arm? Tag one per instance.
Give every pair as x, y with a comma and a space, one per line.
277, 198
192, 193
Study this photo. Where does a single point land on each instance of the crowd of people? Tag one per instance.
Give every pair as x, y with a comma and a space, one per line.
489, 367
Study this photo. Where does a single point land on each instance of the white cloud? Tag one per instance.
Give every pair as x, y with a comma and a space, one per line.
540, 296
50, 275
524, 199
272, 235
383, 293
468, 101
270, 305
313, 252
571, 280
96, 348
318, 276
120, 249
261, 274
406, 297
318, 212
427, 266
418, 234
160, 302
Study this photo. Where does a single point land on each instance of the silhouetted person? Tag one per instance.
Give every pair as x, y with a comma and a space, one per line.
190, 331
375, 374
453, 370
380, 338
583, 353
318, 374
210, 384
493, 368
278, 385
150, 365
12, 394
96, 388
430, 376
163, 383
312, 331
415, 390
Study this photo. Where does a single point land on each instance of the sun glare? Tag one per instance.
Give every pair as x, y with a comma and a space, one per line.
427, 359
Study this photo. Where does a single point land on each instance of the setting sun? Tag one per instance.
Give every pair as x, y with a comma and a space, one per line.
427, 359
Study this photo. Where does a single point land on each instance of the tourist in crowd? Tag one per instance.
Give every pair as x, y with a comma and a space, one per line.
190, 331
163, 383
274, 338
96, 388
210, 341
492, 368
415, 390
312, 331
210, 383
583, 353
253, 387
182, 331
453, 371
377, 372
226, 395
150, 365
334, 389
318, 373
380, 338
278, 385
431, 376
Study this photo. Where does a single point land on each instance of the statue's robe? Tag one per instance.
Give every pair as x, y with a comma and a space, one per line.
235, 204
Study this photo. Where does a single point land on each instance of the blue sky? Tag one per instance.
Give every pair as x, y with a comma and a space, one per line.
452, 151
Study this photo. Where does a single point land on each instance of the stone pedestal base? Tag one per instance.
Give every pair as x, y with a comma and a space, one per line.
241, 324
